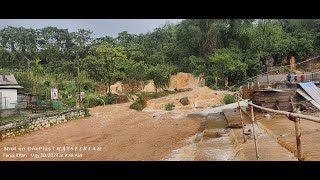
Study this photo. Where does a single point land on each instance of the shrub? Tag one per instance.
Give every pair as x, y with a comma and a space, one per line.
70, 102
214, 87
152, 95
169, 107
86, 112
139, 104
95, 101
229, 98
234, 88
92, 101
135, 105
85, 102
56, 105
109, 99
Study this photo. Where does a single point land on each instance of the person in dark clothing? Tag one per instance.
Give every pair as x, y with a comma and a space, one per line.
295, 77
289, 77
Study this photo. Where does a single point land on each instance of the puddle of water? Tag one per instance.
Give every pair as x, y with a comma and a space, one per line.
185, 153
219, 154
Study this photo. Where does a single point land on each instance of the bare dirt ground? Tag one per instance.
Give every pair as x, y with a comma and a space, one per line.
122, 133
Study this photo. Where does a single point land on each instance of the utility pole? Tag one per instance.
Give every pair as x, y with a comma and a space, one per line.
79, 90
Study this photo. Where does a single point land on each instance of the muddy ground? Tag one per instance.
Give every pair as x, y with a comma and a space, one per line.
116, 132
120, 132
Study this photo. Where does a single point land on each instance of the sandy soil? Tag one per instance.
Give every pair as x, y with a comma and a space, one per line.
268, 148
120, 132
283, 129
199, 98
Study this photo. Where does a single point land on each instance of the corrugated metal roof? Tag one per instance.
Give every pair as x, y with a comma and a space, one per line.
11, 87
307, 97
269, 90
8, 79
312, 90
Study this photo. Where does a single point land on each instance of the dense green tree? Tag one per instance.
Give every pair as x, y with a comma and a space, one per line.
160, 75
135, 72
227, 65
109, 56
232, 49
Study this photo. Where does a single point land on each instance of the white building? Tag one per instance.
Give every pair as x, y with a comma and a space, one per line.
8, 91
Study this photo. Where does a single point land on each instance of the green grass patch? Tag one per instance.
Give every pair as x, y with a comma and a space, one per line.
135, 105
86, 112
154, 95
12, 117
169, 107
228, 99
139, 104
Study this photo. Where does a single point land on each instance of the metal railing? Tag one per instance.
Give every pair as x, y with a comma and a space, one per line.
295, 117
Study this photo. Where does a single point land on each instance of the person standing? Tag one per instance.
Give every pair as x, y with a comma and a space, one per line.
302, 77
289, 77
295, 78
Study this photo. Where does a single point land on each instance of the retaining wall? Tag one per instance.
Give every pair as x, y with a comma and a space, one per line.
36, 122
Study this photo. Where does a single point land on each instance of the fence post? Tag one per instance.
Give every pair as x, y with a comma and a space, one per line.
254, 133
298, 135
242, 124
5, 102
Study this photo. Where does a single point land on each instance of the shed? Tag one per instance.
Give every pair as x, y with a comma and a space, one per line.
8, 91
26, 100
278, 99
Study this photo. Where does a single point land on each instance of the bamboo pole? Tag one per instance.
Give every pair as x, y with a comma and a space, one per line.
242, 124
254, 133
310, 118
298, 135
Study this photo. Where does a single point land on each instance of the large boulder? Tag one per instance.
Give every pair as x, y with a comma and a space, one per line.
184, 101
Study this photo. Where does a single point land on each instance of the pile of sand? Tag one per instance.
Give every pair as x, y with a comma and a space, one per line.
199, 98
185, 80
179, 81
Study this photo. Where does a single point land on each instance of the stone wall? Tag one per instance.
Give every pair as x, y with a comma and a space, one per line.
283, 77
38, 122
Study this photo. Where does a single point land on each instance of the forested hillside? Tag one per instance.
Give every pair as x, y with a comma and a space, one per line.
233, 49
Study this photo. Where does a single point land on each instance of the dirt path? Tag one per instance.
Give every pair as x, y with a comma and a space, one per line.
268, 148
120, 132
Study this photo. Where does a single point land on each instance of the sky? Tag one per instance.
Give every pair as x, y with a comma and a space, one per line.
100, 27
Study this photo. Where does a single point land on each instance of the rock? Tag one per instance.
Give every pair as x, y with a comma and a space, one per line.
184, 89
122, 99
184, 101
267, 116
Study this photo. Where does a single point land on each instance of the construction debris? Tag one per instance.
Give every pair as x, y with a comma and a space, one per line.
217, 109
311, 93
